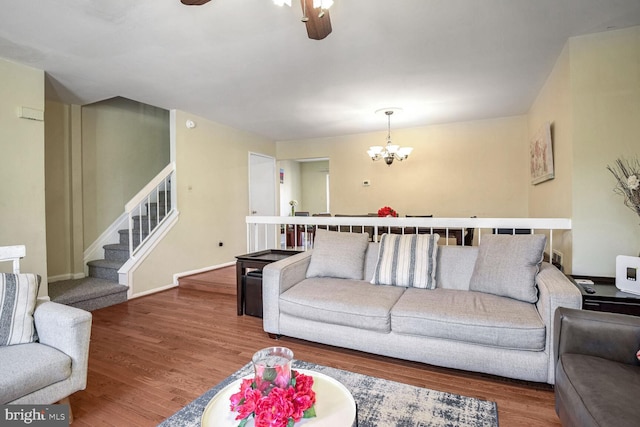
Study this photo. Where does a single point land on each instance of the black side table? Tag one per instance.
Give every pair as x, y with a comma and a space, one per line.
606, 297
255, 260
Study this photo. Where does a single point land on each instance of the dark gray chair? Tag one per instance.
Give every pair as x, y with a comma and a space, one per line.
597, 378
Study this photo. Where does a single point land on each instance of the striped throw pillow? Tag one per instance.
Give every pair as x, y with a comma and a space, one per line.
407, 260
18, 294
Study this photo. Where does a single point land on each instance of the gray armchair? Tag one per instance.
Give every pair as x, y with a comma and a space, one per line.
597, 372
50, 370
55, 366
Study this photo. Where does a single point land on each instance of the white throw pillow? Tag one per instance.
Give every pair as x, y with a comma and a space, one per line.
507, 265
18, 294
407, 260
338, 254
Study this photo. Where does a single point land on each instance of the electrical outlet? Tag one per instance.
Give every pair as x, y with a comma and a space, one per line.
557, 257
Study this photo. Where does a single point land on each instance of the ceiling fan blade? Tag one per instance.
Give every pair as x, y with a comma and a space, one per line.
194, 2
317, 27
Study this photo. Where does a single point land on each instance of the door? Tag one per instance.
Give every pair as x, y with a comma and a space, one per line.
262, 200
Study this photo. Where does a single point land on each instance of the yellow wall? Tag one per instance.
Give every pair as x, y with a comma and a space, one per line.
124, 145
456, 170
97, 157
314, 186
22, 201
212, 177
605, 97
553, 198
291, 187
58, 187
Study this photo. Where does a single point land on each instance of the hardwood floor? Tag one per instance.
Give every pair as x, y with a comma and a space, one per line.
151, 356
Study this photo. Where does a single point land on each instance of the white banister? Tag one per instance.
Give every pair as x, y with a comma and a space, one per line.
301, 228
152, 196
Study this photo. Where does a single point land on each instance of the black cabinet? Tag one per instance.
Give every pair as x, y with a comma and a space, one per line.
249, 278
604, 296
253, 293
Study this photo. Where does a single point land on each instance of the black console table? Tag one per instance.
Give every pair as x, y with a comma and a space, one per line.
249, 285
604, 296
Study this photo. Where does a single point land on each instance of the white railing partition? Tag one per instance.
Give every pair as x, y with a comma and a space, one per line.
150, 207
296, 232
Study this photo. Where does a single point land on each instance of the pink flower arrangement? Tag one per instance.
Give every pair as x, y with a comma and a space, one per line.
275, 406
387, 211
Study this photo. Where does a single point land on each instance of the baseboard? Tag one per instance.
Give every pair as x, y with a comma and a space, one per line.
152, 291
200, 270
61, 277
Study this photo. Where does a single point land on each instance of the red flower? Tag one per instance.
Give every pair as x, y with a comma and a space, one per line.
275, 409
245, 401
387, 211
304, 397
280, 407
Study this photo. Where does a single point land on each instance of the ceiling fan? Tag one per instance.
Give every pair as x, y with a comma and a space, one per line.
316, 19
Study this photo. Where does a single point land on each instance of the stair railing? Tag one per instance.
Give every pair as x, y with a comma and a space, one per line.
152, 203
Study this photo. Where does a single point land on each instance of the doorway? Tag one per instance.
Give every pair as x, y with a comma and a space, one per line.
262, 199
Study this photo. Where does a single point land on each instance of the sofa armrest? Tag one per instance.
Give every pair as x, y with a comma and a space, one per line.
554, 290
67, 329
611, 336
277, 277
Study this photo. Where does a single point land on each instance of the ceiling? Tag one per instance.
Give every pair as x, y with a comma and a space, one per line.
249, 64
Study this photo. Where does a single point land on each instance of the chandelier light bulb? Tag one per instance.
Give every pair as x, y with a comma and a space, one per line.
390, 152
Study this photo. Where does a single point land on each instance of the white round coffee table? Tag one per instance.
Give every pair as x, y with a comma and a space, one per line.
335, 406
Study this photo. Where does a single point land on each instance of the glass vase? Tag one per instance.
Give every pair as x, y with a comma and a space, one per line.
272, 368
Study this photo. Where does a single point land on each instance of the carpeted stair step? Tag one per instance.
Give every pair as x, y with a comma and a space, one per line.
153, 210
124, 237
145, 222
88, 294
104, 269
116, 252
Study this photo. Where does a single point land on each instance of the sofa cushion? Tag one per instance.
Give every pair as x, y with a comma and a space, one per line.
455, 266
29, 367
507, 265
469, 316
582, 398
407, 260
338, 255
18, 294
353, 303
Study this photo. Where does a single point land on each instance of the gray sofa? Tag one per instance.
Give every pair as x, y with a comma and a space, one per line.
597, 371
450, 326
51, 369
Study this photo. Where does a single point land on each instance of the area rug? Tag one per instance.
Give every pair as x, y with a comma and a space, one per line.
380, 403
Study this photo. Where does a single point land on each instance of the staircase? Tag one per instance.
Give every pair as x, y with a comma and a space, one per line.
101, 288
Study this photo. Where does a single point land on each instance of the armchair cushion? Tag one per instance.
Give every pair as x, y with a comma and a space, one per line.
18, 293
507, 266
591, 392
30, 367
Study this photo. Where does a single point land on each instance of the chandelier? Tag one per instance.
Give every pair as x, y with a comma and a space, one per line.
390, 152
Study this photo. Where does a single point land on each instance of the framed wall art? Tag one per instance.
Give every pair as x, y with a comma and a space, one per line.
542, 155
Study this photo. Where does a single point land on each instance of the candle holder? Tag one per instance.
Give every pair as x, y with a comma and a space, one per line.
272, 368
